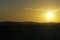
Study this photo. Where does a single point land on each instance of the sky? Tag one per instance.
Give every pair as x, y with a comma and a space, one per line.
27, 10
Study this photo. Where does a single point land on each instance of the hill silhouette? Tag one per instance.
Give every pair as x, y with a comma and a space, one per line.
29, 31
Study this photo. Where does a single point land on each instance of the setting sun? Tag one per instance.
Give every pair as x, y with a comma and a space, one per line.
50, 16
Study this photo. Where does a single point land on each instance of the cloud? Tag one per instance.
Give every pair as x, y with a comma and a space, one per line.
26, 9
55, 10
39, 9
58, 8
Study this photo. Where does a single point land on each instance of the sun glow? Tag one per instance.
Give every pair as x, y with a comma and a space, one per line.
50, 16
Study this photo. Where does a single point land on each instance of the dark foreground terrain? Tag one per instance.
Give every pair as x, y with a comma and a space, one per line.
29, 31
